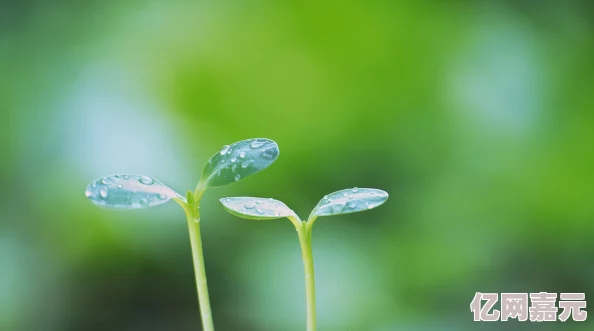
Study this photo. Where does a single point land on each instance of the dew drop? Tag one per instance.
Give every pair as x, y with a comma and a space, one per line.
146, 180
325, 197
257, 144
352, 205
120, 185
234, 167
229, 151
345, 194
126, 177
268, 153
270, 199
237, 177
337, 208
259, 202
162, 196
94, 185
241, 155
144, 201
250, 206
227, 199
355, 190
88, 193
246, 164
233, 159
222, 160
104, 181
260, 210
224, 150
103, 193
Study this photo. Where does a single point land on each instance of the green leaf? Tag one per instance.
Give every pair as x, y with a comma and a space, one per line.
349, 201
257, 208
239, 160
129, 192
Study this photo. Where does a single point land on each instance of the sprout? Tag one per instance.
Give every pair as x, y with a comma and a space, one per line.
232, 163
337, 203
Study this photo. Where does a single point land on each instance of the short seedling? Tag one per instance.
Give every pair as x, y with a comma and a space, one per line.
341, 202
230, 164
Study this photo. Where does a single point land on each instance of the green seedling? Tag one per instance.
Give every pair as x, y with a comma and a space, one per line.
338, 203
232, 163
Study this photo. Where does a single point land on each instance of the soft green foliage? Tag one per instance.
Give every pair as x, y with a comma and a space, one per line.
239, 160
257, 208
349, 201
129, 192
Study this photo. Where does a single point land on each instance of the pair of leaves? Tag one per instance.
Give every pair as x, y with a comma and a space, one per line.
232, 163
337, 203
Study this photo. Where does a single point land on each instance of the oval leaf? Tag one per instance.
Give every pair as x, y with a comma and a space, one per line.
129, 192
239, 160
256, 208
349, 201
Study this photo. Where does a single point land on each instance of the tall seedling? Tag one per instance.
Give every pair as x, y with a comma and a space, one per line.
231, 164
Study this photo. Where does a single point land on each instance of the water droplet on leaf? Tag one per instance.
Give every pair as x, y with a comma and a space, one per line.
146, 180
257, 143
337, 208
246, 163
224, 149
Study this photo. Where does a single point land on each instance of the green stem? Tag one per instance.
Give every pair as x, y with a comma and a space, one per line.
304, 232
193, 216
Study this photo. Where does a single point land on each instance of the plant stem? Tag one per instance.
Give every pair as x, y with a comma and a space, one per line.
193, 216
304, 232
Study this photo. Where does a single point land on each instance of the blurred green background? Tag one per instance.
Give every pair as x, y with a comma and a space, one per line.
476, 116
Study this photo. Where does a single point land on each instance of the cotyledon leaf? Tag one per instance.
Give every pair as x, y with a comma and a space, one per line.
257, 208
349, 201
239, 160
129, 192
